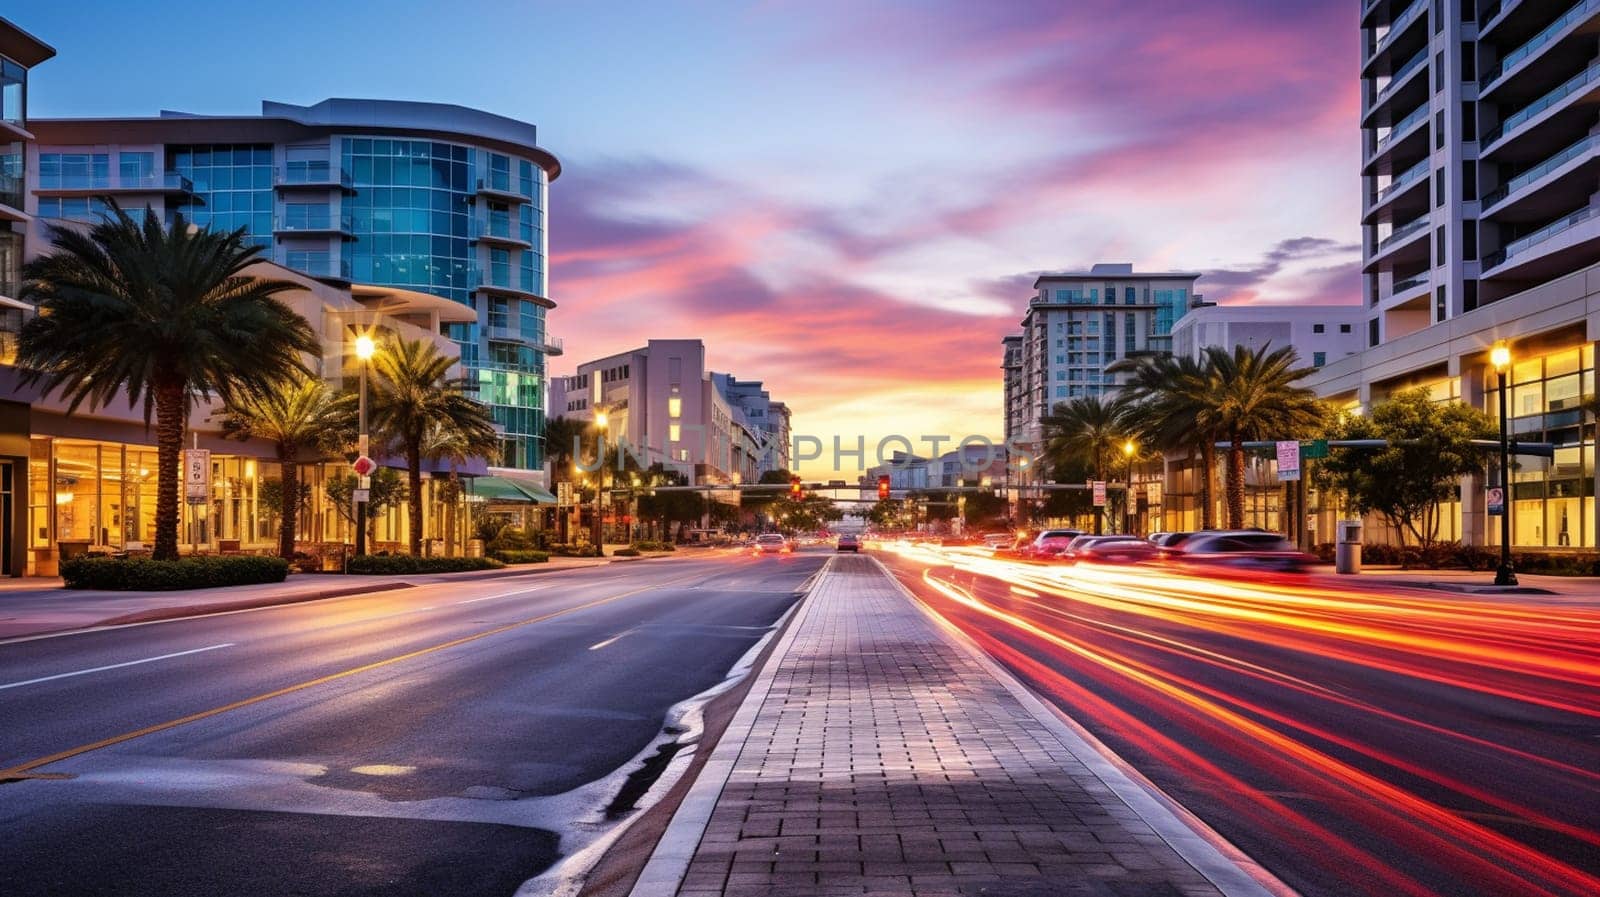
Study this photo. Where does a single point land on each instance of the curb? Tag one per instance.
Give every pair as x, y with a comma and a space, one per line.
1229, 869
664, 872
223, 607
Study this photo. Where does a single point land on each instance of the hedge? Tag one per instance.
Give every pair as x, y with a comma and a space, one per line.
146, 574
647, 545
520, 556
625, 553
574, 550
1474, 558
391, 564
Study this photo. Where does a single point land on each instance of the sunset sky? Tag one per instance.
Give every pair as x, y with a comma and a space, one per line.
848, 200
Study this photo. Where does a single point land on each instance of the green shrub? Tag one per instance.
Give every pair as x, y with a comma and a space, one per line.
511, 556
648, 545
145, 574
574, 550
510, 538
625, 553
404, 564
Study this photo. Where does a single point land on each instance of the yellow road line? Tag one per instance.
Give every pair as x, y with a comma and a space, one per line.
25, 770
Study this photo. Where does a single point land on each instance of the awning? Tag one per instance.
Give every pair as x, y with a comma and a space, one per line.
508, 490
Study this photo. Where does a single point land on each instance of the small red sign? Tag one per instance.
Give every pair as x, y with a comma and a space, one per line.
363, 466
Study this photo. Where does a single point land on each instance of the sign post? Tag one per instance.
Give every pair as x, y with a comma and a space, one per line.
1289, 460
1099, 493
197, 475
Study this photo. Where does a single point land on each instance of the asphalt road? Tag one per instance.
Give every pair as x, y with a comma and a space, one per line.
1354, 742
435, 740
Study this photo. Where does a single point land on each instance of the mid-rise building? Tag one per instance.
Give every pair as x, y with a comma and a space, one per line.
671, 409
1016, 392
1319, 334
1079, 325
419, 196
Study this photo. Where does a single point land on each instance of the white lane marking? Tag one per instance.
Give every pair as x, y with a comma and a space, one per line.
501, 595
612, 640
114, 666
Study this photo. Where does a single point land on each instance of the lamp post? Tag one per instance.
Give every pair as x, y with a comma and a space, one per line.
1128, 450
600, 481
365, 347
1022, 509
1505, 574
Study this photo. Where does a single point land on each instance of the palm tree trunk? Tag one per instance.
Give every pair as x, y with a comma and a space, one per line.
1236, 484
1208, 495
1099, 510
290, 502
170, 414
414, 493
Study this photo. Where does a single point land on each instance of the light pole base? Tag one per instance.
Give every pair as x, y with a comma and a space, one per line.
1505, 576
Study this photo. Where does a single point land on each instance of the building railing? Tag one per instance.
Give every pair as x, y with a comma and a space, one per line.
1570, 86
1401, 127
311, 174
344, 223
147, 180
1400, 74
1410, 283
1523, 244
1583, 146
320, 266
1402, 232
1400, 180
501, 228
1396, 27
1577, 12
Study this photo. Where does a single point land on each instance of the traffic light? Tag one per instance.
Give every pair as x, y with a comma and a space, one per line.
883, 488
794, 488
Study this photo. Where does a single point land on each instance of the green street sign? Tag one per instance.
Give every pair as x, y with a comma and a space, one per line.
1316, 448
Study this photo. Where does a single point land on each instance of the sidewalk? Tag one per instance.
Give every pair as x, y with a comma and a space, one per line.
877, 755
1584, 589
36, 605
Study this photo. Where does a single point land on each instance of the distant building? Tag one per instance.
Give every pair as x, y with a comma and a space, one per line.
1319, 334
661, 398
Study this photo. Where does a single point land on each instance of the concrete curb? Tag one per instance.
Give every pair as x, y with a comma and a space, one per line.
664, 872
1224, 865
222, 607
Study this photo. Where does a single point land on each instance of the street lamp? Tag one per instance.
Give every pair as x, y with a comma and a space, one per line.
365, 348
1128, 450
1505, 574
600, 421
1022, 486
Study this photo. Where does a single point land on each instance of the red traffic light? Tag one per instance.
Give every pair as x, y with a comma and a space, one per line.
794, 487
883, 488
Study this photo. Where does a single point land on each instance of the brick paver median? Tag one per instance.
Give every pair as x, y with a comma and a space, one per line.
886, 760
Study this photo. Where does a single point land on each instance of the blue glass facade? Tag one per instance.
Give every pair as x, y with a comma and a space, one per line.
232, 186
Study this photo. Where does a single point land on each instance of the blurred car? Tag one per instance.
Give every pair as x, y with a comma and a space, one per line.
1049, 543
849, 542
1241, 550
1131, 550
1077, 546
998, 540
772, 543
1169, 540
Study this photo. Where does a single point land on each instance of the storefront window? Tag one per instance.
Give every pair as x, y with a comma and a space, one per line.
1553, 499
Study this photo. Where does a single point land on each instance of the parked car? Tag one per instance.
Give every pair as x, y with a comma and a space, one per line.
1131, 550
1242, 550
1169, 540
1077, 546
849, 542
772, 543
1049, 543
998, 540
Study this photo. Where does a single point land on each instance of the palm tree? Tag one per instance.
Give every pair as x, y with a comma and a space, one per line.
1172, 413
413, 393
1253, 395
165, 316
560, 434
446, 443
297, 415
1090, 430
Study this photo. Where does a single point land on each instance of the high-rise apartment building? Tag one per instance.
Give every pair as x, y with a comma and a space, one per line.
420, 196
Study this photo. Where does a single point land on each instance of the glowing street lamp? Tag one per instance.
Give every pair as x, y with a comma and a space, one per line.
1129, 449
1505, 574
600, 421
364, 348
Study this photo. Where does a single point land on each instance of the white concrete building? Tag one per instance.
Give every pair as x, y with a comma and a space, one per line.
1319, 334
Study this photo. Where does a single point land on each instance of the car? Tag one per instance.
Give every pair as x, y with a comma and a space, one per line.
998, 540
1169, 540
1075, 548
1241, 550
772, 543
848, 542
1049, 543
1117, 551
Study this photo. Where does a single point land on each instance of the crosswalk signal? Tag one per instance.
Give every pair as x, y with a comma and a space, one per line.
883, 488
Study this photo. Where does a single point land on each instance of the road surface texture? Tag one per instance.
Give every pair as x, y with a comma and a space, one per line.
1354, 741
425, 741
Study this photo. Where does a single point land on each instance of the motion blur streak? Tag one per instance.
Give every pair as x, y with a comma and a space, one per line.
1388, 743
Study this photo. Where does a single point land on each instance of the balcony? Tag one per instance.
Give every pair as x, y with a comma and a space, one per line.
1523, 245
1404, 246
1399, 198
500, 232
1528, 69
497, 187
1402, 290
1404, 91
311, 176
159, 182
1401, 41
551, 345
319, 265
322, 224
1571, 100
487, 282
1544, 189
1406, 142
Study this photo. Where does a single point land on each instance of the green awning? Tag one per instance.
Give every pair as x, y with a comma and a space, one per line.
509, 490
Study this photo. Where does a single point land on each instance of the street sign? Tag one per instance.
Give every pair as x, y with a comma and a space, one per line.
1289, 460
1497, 501
360, 495
1315, 449
1099, 493
197, 475
363, 466
564, 493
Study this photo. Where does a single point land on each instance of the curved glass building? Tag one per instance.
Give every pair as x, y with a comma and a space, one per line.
425, 196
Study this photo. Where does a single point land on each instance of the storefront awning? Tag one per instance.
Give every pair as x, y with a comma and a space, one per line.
508, 490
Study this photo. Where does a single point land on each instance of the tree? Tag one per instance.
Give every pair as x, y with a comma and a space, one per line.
560, 435
887, 513
1171, 411
385, 492
1253, 395
1430, 449
297, 415
1091, 430
667, 508
165, 316
445, 443
413, 393
805, 514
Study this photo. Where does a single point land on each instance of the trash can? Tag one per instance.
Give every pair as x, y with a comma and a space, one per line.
474, 548
1347, 550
